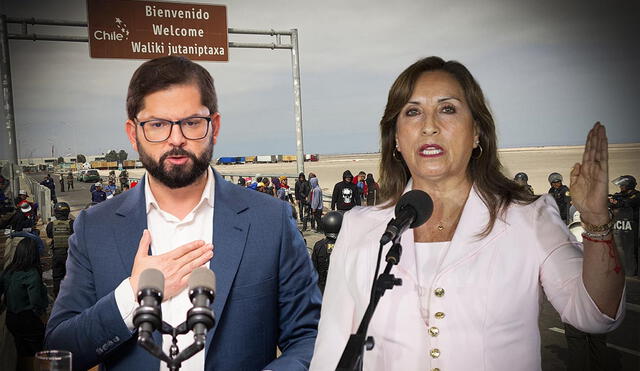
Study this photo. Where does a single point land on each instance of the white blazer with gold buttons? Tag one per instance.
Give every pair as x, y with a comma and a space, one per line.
484, 301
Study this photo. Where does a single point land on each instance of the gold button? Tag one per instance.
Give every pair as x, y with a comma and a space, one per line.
435, 369
439, 292
435, 353
439, 315
434, 331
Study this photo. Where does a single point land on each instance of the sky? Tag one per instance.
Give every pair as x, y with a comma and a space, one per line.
549, 70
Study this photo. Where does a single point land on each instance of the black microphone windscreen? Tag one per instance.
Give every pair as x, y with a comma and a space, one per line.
202, 277
151, 278
421, 202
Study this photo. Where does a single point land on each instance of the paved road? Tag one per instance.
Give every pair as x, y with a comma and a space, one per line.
623, 343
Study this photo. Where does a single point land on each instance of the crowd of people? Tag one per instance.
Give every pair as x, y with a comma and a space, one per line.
308, 198
22, 289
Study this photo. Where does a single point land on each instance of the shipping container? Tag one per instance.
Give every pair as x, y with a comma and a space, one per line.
251, 159
266, 159
287, 158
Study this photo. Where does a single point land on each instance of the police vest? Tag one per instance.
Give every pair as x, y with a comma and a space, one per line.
61, 233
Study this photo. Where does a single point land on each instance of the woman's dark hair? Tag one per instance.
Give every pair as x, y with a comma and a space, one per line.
484, 169
26, 256
161, 73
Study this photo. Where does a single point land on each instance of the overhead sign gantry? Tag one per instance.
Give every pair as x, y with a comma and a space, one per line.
144, 30
193, 30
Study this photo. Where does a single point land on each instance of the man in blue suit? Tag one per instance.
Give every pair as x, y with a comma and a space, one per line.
181, 216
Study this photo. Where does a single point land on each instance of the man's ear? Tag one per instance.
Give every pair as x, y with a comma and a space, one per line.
130, 128
215, 126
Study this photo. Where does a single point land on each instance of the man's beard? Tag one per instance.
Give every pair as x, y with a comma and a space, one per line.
177, 176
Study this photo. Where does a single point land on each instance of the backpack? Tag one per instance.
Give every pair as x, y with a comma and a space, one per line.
61, 233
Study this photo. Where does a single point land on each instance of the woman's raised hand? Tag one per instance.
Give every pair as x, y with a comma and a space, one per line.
590, 179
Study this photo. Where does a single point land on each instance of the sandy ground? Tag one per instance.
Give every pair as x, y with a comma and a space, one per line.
537, 162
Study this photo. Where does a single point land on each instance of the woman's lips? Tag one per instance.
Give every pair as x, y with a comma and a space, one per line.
430, 150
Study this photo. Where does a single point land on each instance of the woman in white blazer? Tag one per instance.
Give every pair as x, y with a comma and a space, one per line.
474, 273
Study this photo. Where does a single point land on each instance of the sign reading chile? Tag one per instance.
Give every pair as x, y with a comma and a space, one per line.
132, 29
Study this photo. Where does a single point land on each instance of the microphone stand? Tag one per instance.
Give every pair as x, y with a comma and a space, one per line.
353, 354
175, 358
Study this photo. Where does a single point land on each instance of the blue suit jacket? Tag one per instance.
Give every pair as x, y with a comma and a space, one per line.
266, 286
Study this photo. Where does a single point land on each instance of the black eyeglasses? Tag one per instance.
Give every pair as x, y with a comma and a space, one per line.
159, 130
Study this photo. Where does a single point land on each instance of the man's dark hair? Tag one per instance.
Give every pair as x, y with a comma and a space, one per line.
161, 73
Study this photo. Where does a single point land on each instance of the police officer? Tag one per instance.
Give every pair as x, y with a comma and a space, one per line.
59, 231
124, 178
522, 179
628, 197
560, 193
69, 181
322, 249
112, 175
61, 182
49, 183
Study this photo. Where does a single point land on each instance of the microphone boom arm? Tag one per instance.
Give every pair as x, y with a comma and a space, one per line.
175, 358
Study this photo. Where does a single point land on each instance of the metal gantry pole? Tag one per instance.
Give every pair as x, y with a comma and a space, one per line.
295, 63
7, 93
297, 100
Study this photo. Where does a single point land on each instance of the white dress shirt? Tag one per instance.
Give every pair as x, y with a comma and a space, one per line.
429, 256
167, 234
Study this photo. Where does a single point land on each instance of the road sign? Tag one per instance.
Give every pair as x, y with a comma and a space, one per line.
133, 29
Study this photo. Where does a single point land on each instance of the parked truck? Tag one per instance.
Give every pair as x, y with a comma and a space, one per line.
226, 161
266, 159
230, 160
287, 158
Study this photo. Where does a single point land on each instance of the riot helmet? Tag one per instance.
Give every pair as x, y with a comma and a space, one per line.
61, 210
555, 178
331, 223
521, 177
627, 181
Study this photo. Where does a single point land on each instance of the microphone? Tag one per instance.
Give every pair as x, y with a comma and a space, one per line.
413, 209
148, 316
202, 291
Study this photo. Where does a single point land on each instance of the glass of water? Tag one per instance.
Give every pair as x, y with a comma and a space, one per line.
54, 360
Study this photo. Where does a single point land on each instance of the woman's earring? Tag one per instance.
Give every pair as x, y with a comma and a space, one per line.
479, 154
396, 154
